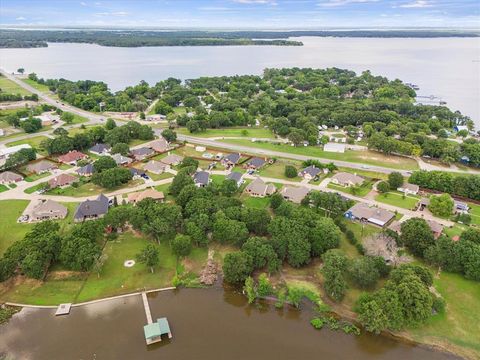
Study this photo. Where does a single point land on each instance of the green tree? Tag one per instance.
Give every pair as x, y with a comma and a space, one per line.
325, 235
67, 117
363, 272
383, 187
120, 148
169, 135
228, 187
110, 124
335, 265
180, 180
441, 205
290, 171
111, 178
149, 256
104, 163
417, 236
249, 289
181, 245
237, 266
264, 287
395, 180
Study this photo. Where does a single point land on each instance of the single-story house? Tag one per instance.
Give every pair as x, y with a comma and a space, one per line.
256, 163
141, 153
294, 194
436, 228
6, 152
136, 173
258, 188
145, 194
155, 117
100, 149
238, 177
423, 203
172, 159
160, 145
72, 157
231, 159
48, 210
460, 206
156, 167
91, 209
86, 170
61, 181
9, 177
347, 179
408, 188
121, 160
334, 147
374, 215
201, 178
41, 167
310, 172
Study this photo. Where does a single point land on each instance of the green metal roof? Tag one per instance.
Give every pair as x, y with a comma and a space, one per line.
152, 330
164, 327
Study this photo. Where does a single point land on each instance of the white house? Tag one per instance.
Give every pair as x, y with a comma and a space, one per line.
334, 147
409, 189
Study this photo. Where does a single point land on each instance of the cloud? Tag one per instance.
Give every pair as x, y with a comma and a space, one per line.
267, 2
113, 13
83, 3
418, 4
337, 3
20, 18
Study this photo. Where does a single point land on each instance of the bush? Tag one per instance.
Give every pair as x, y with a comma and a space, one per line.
290, 171
438, 304
317, 323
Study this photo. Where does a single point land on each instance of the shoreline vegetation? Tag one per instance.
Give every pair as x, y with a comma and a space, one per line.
138, 38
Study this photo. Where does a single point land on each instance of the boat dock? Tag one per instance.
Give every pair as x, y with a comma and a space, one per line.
153, 331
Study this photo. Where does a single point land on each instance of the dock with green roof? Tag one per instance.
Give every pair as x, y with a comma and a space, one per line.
153, 331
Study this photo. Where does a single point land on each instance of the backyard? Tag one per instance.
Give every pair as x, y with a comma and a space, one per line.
247, 132
397, 198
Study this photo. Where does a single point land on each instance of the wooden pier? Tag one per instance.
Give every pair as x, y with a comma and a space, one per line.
153, 331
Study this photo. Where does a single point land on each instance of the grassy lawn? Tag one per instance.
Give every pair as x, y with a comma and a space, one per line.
364, 173
217, 179
34, 177
255, 202
460, 324
34, 188
89, 189
475, 213
456, 229
397, 199
365, 157
10, 230
3, 188
34, 142
362, 190
360, 233
156, 177
277, 169
246, 132
10, 87
77, 119
34, 84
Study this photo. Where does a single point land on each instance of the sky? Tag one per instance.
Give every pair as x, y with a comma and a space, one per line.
237, 14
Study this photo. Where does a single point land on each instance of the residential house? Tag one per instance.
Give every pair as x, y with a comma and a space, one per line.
334, 147
72, 157
201, 178
460, 206
155, 117
100, 149
160, 145
436, 227
145, 194
141, 153
408, 188
238, 177
41, 167
172, 159
156, 167
121, 160
48, 210
86, 170
6, 152
347, 179
137, 173
9, 177
423, 203
310, 172
256, 163
61, 181
91, 209
362, 212
294, 194
258, 188
231, 160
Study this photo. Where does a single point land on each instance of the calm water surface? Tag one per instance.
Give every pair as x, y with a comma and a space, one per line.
206, 324
448, 68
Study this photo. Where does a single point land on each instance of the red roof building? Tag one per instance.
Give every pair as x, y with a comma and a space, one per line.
72, 157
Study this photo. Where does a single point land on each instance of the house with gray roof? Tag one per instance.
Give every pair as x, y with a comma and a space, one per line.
41, 167
258, 188
160, 145
256, 163
48, 210
141, 153
156, 167
121, 160
201, 178
238, 177
91, 209
362, 212
9, 177
294, 194
86, 170
347, 179
231, 160
310, 172
100, 149
172, 159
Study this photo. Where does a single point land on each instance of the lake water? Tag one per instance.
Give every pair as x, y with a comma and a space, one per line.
448, 68
207, 324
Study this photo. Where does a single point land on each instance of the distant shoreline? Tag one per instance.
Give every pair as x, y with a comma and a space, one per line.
10, 38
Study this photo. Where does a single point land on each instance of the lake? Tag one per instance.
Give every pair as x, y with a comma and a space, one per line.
448, 68
207, 324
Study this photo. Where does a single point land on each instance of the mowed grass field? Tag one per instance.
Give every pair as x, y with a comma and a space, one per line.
246, 132
397, 199
10, 87
364, 157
